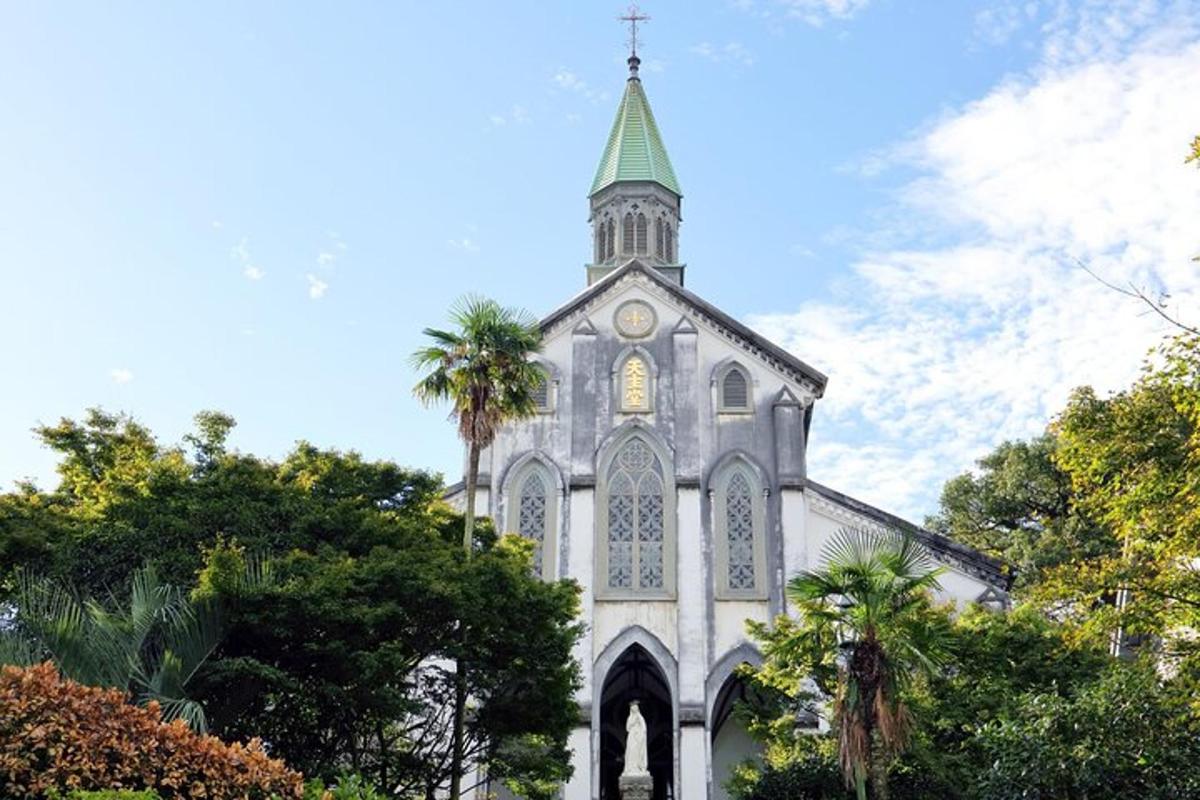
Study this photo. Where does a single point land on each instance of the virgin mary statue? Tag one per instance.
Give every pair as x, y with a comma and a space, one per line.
635, 742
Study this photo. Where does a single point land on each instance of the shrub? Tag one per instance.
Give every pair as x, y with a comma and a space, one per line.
103, 794
59, 736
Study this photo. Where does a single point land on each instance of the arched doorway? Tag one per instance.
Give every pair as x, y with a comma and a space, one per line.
636, 676
731, 745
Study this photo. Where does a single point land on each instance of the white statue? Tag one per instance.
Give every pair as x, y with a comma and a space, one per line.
635, 742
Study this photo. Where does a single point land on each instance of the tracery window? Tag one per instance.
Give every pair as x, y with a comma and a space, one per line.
611, 240
670, 243
642, 245
600, 232
658, 237
636, 530
739, 530
627, 235
739, 514
531, 501
531, 516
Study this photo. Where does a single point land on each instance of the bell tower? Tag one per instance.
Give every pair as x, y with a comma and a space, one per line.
635, 200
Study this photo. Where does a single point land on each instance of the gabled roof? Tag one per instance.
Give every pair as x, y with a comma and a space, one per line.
635, 150
990, 570
767, 349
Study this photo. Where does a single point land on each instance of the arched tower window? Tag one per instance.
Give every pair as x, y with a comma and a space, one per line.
658, 237
734, 390
669, 242
600, 231
532, 511
610, 240
739, 511
627, 235
636, 535
642, 244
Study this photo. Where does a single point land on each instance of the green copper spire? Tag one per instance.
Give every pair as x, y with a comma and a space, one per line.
635, 150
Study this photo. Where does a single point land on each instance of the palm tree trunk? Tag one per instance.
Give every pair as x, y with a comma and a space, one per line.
460, 674
472, 483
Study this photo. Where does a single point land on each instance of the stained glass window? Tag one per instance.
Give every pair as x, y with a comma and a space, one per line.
531, 516
636, 556
739, 532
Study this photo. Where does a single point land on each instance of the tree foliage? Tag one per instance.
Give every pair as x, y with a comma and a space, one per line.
341, 661
1019, 506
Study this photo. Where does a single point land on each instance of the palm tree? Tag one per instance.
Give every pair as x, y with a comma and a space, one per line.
870, 597
152, 647
486, 372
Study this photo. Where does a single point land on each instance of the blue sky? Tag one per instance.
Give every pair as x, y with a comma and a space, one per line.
257, 207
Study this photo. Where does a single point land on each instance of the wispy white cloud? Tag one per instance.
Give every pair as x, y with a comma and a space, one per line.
936, 354
568, 81
316, 287
812, 12
120, 375
463, 245
730, 52
517, 115
240, 253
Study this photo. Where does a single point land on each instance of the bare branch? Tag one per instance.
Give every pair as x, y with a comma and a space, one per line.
1138, 293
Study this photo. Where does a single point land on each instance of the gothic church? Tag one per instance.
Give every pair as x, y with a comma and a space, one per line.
666, 474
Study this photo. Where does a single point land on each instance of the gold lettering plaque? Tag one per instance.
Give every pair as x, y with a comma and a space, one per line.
636, 389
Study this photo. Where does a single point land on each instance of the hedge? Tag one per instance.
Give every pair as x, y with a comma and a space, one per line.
59, 736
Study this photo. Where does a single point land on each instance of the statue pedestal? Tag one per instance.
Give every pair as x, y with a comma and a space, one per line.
636, 787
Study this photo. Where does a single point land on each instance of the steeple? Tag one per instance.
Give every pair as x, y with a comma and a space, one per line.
635, 197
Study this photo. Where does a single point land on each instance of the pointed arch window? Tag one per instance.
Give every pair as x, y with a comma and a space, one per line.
541, 393
531, 516
669, 243
610, 240
739, 510
600, 232
533, 511
627, 235
734, 390
658, 237
637, 519
642, 244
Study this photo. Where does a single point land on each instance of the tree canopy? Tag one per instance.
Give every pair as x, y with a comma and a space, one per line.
340, 661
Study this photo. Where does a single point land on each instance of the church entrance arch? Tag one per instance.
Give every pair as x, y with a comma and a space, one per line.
731, 744
636, 676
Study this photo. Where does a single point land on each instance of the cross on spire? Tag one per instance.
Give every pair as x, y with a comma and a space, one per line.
633, 16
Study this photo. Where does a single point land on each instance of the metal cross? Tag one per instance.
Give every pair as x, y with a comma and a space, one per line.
633, 17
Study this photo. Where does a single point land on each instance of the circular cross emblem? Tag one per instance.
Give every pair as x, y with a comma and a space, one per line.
635, 319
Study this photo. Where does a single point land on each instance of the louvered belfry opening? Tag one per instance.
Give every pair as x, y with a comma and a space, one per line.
735, 390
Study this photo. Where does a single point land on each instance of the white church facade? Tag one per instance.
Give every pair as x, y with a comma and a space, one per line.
665, 472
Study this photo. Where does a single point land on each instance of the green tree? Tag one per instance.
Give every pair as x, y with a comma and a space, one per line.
371, 577
1124, 737
1134, 463
485, 371
1020, 507
865, 632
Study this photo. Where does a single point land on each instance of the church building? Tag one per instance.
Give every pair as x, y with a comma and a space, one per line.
665, 472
